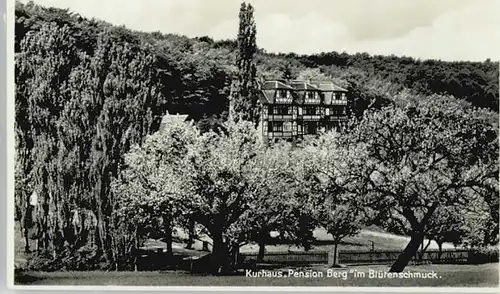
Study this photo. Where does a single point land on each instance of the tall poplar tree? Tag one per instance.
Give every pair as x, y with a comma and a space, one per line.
244, 100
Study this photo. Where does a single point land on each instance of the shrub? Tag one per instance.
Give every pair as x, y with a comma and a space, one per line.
85, 258
483, 255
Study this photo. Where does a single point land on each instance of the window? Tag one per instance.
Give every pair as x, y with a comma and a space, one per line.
311, 97
283, 96
311, 128
270, 109
338, 111
310, 110
287, 126
280, 110
328, 97
277, 126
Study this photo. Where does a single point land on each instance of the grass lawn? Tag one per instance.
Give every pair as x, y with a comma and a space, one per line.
485, 275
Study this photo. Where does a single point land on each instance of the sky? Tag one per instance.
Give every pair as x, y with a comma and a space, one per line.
438, 29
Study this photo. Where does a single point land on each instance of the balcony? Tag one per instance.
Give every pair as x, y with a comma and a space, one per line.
283, 100
338, 117
311, 117
312, 101
281, 117
338, 102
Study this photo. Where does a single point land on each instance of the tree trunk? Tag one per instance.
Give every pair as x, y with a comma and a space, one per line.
135, 252
168, 240
100, 230
305, 232
416, 240
220, 255
26, 240
26, 224
234, 252
427, 246
335, 254
408, 253
424, 249
262, 249
440, 249
167, 223
191, 235
262, 245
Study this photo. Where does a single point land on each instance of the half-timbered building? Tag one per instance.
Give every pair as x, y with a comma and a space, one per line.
297, 109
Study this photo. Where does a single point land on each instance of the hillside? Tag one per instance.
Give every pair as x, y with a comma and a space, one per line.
199, 70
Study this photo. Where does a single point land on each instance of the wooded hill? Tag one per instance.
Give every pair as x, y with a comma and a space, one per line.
197, 72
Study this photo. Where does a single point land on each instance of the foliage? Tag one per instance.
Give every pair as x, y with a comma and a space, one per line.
312, 74
411, 161
341, 214
244, 98
145, 205
447, 224
484, 255
294, 189
276, 205
85, 258
201, 70
475, 82
78, 114
481, 229
217, 186
88, 92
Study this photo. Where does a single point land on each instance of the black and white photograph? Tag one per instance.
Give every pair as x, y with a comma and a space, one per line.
254, 144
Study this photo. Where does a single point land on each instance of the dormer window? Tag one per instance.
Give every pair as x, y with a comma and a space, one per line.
283, 96
311, 97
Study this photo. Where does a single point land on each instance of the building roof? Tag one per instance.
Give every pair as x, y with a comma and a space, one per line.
268, 88
301, 85
169, 118
266, 96
273, 85
330, 87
